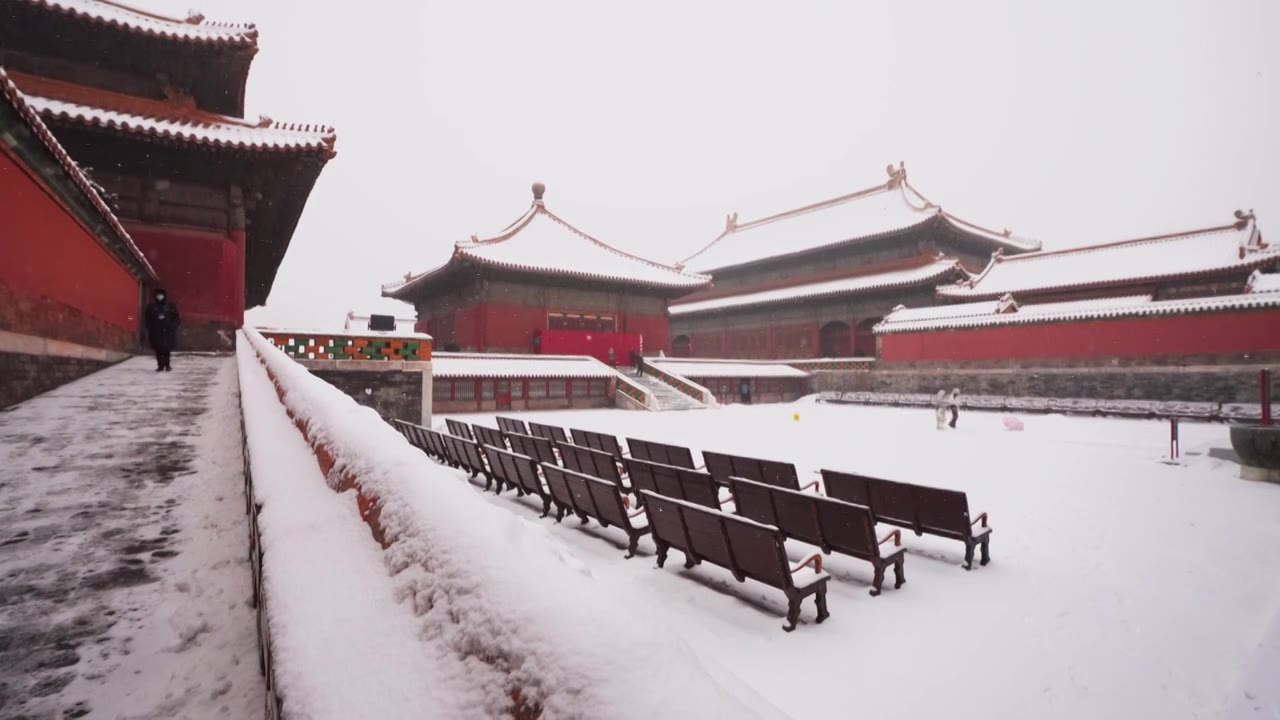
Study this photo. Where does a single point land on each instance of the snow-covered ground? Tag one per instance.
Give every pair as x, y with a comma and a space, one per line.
124, 585
1120, 586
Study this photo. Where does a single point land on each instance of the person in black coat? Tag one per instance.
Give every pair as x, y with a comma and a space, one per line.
162, 328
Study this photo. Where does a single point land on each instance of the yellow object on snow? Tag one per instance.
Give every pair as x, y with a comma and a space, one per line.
796, 417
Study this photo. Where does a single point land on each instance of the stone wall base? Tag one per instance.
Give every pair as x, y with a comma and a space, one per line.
24, 376
1202, 383
1258, 474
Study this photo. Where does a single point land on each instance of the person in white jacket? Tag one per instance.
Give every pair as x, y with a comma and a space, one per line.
940, 409
953, 402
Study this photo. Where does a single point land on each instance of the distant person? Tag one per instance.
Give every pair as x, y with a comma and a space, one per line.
953, 402
631, 357
744, 392
639, 365
940, 409
162, 328
613, 358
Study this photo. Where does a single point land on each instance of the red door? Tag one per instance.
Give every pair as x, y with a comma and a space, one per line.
503, 395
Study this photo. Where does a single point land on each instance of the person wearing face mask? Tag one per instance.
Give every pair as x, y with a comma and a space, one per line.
162, 328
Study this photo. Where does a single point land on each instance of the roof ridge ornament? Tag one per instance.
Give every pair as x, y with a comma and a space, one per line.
897, 176
731, 222
538, 190
997, 255
1006, 304
194, 17
1243, 218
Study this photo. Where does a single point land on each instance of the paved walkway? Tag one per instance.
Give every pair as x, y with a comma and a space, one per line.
124, 587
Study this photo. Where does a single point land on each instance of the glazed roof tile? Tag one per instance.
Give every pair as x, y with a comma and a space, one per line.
1231, 247
921, 275
197, 127
540, 242
193, 28
864, 215
25, 109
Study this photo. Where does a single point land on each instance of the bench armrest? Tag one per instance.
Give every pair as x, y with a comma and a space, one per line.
981, 518
812, 559
812, 484
896, 536
637, 513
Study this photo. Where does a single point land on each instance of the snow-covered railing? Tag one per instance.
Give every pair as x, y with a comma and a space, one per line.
489, 588
632, 395
682, 384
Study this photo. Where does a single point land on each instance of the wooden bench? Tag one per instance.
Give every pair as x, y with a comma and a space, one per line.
681, 483
548, 432
459, 429
539, 449
470, 458
590, 497
661, 453
833, 525
723, 466
489, 436
742, 546
511, 425
598, 441
592, 462
519, 472
924, 510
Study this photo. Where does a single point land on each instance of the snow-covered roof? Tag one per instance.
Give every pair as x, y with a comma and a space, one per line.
1260, 282
192, 28
22, 105
194, 126
445, 365
355, 333
709, 368
540, 242
1238, 246
920, 275
994, 313
876, 211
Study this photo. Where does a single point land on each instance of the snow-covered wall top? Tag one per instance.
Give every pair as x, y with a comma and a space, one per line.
702, 368
483, 365
498, 590
350, 344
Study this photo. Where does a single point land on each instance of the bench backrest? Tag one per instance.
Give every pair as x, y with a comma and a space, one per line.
926, 509
746, 548
590, 462
558, 485
418, 437
437, 440
474, 456
511, 425
677, 482
660, 453
548, 432
598, 441
514, 469
826, 522
489, 436
453, 449
539, 449
460, 429
723, 466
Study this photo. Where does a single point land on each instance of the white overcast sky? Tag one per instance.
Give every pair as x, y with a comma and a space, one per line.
1070, 122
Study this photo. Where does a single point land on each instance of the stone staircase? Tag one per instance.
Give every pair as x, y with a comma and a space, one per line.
668, 397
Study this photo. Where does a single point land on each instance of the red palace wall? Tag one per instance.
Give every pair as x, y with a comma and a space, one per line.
1217, 333
56, 280
202, 270
493, 327
780, 342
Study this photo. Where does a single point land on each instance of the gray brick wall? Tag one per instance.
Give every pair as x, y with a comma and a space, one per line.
24, 376
1186, 384
391, 393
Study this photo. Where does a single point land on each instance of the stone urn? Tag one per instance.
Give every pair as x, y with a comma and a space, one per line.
1259, 449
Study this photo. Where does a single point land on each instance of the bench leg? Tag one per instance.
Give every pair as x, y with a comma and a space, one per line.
662, 552
878, 581
582, 518
821, 601
631, 547
968, 554
986, 550
793, 612
899, 574
689, 561
559, 513
546, 507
